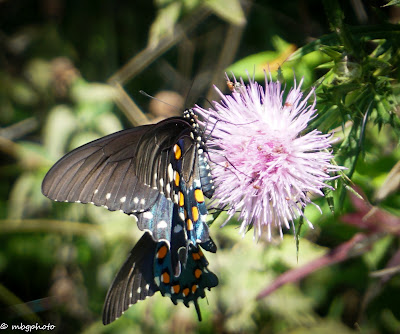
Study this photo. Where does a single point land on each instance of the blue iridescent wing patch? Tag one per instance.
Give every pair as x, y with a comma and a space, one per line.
190, 285
149, 269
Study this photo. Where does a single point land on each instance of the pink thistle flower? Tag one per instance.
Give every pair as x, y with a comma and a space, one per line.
263, 163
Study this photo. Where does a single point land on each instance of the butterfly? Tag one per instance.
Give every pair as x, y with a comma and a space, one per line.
160, 174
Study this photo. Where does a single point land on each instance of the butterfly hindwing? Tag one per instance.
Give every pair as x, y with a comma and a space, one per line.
190, 285
134, 281
157, 220
176, 269
180, 268
205, 174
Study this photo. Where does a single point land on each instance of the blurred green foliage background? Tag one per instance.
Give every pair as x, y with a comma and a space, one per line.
71, 71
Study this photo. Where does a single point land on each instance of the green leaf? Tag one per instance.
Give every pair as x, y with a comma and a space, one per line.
331, 52
23, 94
392, 3
25, 198
323, 327
230, 11
266, 60
280, 59
164, 23
286, 254
379, 249
39, 73
61, 122
87, 92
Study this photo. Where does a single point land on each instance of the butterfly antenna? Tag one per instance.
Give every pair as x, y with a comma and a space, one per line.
154, 98
188, 94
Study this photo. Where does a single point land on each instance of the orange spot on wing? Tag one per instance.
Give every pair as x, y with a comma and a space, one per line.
165, 278
197, 273
177, 178
196, 256
189, 224
181, 199
198, 195
176, 288
185, 291
162, 252
195, 213
177, 151
194, 288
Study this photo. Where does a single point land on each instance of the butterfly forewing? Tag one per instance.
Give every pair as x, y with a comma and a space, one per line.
102, 172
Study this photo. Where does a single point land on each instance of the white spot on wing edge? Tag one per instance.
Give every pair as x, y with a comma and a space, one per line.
177, 228
170, 173
147, 215
123, 199
162, 224
108, 195
136, 200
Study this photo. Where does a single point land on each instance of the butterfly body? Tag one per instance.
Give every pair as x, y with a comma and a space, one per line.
159, 174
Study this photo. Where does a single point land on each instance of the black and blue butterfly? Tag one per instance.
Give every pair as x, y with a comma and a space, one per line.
160, 174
